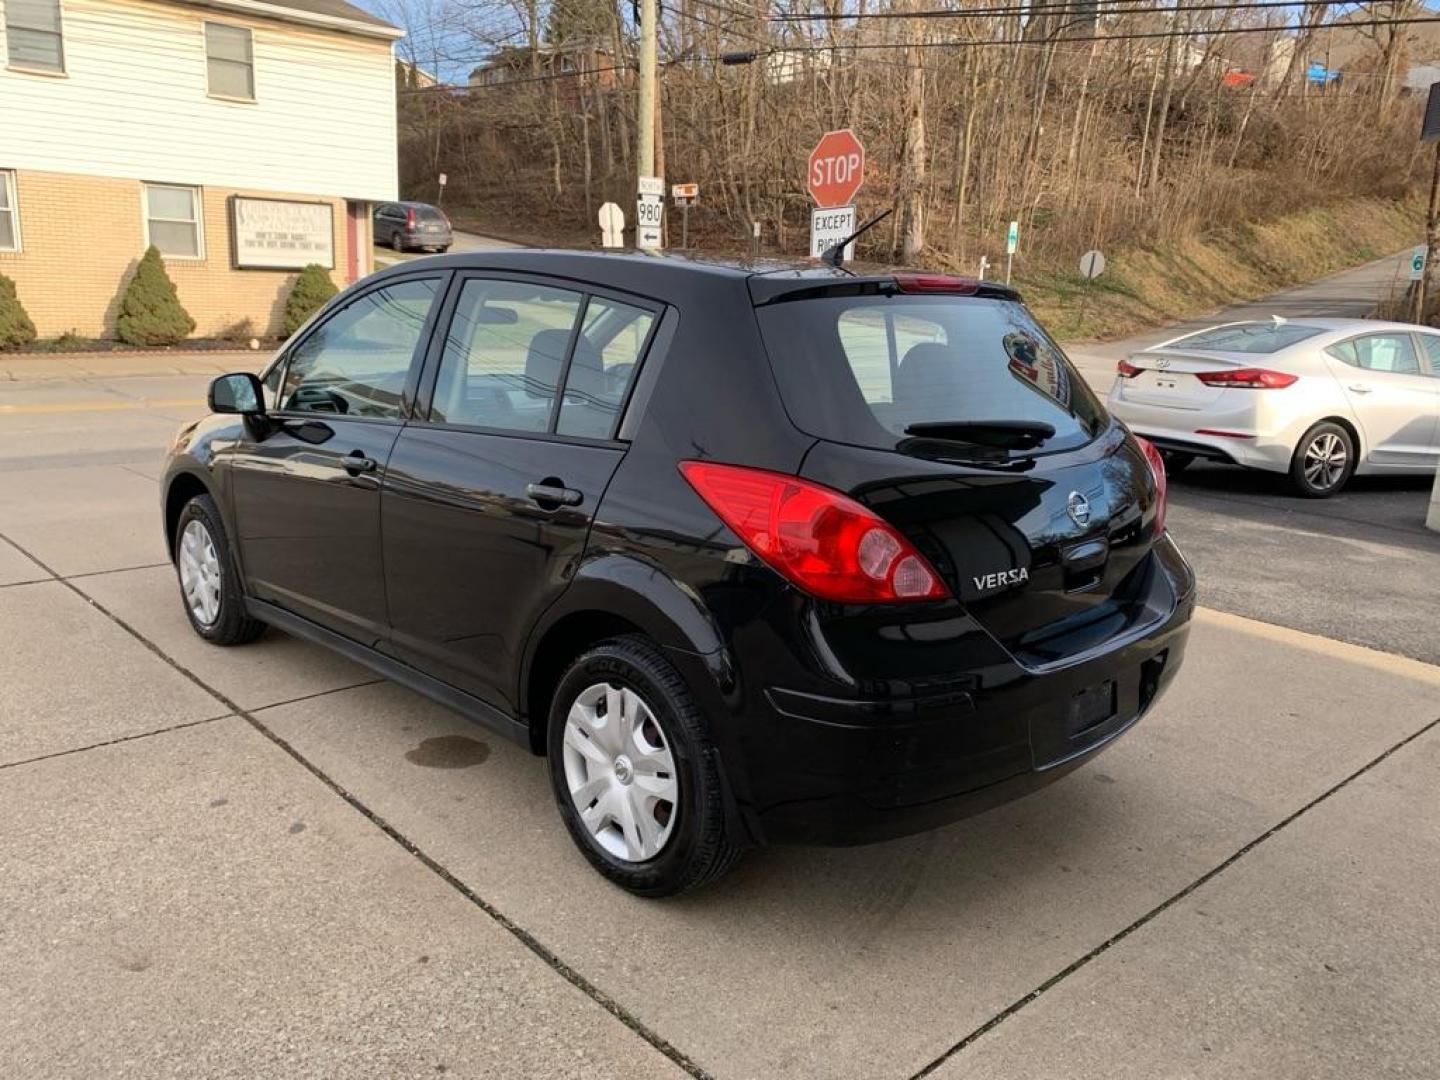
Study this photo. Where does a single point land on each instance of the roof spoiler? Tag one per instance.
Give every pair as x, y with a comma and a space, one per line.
775, 288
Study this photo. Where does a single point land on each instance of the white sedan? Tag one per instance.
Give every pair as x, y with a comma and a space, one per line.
1319, 399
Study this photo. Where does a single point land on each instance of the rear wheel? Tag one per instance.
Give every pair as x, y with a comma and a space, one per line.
209, 585
634, 772
1176, 461
397, 241
1324, 461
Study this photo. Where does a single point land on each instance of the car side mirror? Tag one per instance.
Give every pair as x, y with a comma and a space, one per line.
240, 393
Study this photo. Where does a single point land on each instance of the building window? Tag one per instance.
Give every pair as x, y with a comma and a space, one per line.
9, 213
172, 221
229, 61
32, 35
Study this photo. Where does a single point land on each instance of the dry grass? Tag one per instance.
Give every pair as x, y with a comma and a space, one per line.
1147, 286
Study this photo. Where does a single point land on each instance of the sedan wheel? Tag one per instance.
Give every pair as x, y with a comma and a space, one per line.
1323, 461
620, 772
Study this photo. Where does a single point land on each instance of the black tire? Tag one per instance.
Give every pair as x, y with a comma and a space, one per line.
397, 241
443, 250
1312, 467
230, 626
1176, 461
698, 849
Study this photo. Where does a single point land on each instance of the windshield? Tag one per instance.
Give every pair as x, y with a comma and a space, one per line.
1257, 337
864, 369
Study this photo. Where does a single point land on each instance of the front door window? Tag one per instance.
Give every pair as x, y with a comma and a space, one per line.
357, 362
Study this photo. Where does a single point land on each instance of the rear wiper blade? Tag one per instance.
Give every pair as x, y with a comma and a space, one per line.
1008, 434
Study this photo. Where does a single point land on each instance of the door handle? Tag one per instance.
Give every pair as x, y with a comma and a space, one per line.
1360, 388
553, 493
357, 462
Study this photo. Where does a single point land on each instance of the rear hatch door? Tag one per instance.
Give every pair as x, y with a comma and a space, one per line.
933, 411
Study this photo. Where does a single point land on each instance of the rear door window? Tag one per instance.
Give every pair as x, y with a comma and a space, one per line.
1393, 353
504, 354
864, 369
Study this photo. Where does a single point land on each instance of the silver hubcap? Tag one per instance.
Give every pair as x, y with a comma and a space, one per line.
1325, 460
620, 772
200, 573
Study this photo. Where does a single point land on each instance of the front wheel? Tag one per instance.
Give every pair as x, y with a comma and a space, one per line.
209, 585
1324, 461
634, 772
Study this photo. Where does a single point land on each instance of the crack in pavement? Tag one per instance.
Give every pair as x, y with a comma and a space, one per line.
529, 940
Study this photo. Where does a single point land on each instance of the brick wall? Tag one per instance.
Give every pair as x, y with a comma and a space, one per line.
82, 237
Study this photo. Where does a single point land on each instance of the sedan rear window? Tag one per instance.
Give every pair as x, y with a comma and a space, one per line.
1256, 337
865, 369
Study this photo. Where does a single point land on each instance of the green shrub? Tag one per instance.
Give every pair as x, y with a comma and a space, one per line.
311, 289
16, 329
150, 312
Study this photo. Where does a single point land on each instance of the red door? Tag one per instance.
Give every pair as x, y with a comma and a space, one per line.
354, 237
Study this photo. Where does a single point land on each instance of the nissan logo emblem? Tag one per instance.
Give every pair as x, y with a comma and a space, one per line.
1079, 508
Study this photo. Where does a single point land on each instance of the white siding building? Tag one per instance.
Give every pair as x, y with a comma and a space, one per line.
242, 138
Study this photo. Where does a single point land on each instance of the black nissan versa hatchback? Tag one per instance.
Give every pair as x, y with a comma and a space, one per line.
751, 553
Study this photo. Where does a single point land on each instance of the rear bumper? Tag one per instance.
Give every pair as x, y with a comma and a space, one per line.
865, 770
1263, 431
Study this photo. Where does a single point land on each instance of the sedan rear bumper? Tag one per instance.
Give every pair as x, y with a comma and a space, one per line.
1256, 428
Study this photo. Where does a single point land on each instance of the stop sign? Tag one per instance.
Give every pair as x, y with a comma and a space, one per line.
837, 168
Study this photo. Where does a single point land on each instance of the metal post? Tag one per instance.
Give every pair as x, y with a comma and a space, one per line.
1009, 262
646, 120
685, 226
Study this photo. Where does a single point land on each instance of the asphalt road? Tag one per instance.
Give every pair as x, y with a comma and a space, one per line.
261, 862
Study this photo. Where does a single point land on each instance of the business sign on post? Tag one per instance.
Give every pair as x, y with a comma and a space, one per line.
1012, 238
277, 234
684, 194
1417, 263
828, 226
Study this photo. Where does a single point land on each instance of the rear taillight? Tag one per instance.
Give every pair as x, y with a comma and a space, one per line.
410, 218
936, 283
1248, 378
1156, 461
824, 542
1127, 370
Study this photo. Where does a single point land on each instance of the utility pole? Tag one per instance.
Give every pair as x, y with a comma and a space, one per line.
1430, 132
646, 120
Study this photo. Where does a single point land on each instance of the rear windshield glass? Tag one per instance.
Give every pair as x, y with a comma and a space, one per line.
428, 213
1266, 337
862, 369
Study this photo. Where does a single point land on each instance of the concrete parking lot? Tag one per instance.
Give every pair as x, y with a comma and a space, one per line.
264, 862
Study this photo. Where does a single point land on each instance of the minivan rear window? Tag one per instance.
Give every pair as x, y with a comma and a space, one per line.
863, 369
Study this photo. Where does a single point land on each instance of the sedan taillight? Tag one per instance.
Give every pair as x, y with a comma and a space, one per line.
1127, 370
1248, 378
824, 542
